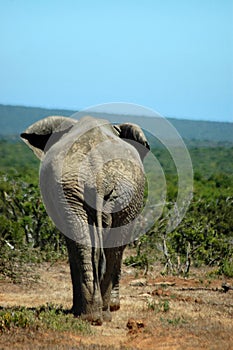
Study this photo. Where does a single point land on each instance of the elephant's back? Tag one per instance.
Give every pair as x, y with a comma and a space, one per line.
95, 158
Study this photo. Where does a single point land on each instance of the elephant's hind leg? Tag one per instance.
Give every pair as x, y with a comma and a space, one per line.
87, 300
110, 283
115, 294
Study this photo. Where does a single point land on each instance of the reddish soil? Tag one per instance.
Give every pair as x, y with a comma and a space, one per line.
156, 313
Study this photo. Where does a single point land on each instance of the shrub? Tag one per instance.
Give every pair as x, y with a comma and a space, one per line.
47, 316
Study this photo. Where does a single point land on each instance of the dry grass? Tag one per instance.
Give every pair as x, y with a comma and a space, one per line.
169, 318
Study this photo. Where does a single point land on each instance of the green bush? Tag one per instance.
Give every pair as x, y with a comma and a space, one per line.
27, 235
226, 268
23, 218
47, 316
204, 237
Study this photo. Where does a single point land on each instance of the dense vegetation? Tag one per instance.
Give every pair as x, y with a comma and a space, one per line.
27, 235
205, 236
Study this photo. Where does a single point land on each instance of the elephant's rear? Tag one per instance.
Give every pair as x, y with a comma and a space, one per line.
97, 174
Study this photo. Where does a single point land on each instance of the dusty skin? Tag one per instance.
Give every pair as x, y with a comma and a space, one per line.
156, 312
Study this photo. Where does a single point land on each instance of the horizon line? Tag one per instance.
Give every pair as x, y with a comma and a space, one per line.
184, 118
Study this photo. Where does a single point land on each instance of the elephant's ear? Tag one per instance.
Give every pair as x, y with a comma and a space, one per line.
37, 135
133, 134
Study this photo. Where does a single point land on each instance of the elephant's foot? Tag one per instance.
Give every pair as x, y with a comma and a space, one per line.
115, 304
115, 298
107, 317
94, 318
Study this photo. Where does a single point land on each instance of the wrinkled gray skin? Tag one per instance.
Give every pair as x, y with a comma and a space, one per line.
92, 184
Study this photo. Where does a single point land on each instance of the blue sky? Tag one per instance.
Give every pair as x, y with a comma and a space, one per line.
174, 56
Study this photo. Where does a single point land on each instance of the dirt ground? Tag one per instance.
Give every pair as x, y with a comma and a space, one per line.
156, 312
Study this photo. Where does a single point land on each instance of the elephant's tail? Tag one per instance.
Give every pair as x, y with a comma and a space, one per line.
102, 258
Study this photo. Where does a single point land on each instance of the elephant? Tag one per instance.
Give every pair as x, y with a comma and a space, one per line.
92, 183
